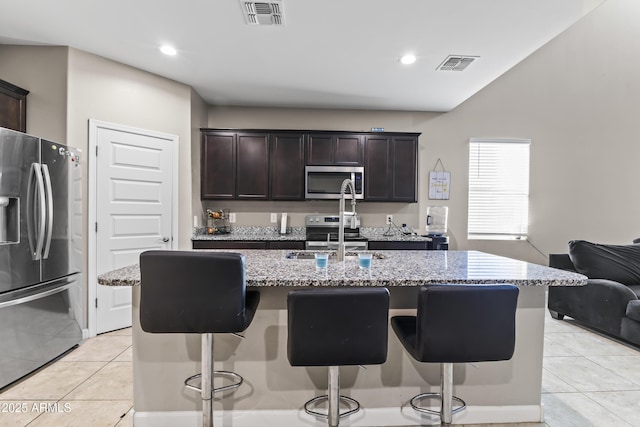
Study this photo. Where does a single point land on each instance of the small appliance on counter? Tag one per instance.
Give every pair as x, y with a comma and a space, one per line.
436, 228
322, 232
218, 221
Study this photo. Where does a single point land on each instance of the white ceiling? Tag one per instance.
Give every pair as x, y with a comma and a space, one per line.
329, 53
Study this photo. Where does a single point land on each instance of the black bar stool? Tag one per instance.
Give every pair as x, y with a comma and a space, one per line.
458, 324
337, 327
197, 292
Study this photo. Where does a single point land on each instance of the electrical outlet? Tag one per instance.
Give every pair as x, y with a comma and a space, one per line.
232, 217
274, 217
389, 219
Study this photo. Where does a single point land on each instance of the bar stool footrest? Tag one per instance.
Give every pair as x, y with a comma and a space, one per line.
188, 383
435, 396
324, 398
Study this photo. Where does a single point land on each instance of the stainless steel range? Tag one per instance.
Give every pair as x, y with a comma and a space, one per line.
322, 232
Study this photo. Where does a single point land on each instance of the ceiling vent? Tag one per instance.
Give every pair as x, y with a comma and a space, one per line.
456, 63
258, 13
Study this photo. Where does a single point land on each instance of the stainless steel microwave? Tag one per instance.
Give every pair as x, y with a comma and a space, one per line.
324, 182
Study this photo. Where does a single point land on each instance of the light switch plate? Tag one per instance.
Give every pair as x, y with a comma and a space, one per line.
274, 217
232, 217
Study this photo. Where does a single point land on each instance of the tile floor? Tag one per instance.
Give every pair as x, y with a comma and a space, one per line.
588, 380
89, 386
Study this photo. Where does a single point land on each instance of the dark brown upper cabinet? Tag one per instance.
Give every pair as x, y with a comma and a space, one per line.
377, 184
269, 164
218, 165
235, 166
287, 166
330, 149
13, 107
391, 165
252, 166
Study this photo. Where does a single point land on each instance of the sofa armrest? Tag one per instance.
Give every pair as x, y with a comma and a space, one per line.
633, 310
600, 303
561, 261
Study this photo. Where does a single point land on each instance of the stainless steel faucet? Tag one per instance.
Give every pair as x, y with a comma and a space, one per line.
343, 188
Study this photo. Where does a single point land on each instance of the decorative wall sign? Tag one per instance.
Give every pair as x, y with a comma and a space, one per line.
439, 183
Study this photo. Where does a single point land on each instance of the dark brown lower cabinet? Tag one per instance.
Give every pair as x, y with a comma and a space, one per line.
247, 244
229, 244
397, 246
299, 245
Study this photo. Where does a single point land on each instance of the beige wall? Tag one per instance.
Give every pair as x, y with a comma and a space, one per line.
199, 111
43, 72
105, 90
576, 98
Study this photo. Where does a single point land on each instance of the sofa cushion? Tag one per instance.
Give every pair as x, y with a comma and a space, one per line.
620, 263
633, 310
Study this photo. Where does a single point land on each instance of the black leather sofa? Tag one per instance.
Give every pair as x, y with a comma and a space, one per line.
610, 301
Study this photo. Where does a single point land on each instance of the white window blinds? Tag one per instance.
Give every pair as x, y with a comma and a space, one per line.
498, 188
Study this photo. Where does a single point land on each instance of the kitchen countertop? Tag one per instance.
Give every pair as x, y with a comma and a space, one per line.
251, 233
383, 234
397, 268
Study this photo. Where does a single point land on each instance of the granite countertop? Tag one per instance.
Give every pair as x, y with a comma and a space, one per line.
387, 234
298, 233
251, 233
396, 268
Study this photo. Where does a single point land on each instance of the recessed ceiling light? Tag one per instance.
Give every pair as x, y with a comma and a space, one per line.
408, 59
168, 50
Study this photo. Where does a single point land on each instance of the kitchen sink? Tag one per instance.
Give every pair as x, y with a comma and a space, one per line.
332, 255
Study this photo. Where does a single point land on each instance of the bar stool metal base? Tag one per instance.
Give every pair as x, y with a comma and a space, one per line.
206, 388
446, 397
320, 399
188, 383
419, 397
333, 399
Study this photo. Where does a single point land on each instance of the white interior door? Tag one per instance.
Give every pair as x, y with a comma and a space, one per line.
133, 210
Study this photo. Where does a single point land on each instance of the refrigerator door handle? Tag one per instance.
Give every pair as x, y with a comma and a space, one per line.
30, 213
37, 216
49, 211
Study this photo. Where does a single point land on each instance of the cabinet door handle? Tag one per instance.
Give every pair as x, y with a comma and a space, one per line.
165, 239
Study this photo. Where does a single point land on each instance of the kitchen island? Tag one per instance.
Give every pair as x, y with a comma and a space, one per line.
274, 392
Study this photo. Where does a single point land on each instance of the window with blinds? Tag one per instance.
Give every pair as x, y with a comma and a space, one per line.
498, 189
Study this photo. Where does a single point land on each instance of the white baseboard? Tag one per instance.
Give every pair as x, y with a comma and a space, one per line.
373, 417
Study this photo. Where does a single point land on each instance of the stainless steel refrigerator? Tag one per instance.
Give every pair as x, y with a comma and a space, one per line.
40, 253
